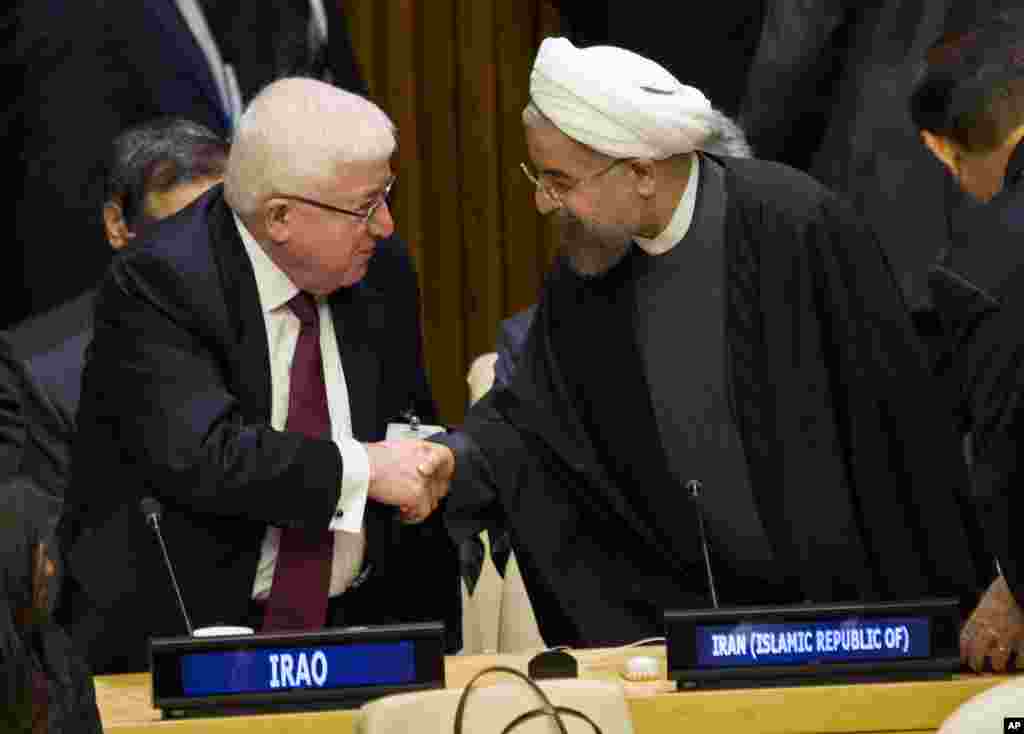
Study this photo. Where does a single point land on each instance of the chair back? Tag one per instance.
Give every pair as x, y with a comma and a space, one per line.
481, 610
490, 708
986, 711
518, 631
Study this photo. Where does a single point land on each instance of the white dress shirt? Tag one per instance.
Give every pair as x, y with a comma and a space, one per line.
275, 290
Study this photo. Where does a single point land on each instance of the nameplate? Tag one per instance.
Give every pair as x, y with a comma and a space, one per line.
813, 643
336, 668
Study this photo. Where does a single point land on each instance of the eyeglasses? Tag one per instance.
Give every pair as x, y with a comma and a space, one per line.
557, 193
364, 216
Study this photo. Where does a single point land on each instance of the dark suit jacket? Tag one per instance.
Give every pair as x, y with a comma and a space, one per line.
176, 405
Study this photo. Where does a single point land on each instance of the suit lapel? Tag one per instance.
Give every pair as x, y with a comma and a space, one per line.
250, 358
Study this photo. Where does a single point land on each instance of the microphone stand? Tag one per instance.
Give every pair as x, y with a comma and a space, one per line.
152, 511
694, 487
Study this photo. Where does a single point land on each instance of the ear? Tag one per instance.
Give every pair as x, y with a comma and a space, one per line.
116, 228
277, 218
944, 149
646, 179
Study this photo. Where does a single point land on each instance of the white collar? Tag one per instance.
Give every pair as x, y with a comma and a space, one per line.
681, 219
274, 286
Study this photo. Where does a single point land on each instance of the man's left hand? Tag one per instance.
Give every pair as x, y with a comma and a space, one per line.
994, 630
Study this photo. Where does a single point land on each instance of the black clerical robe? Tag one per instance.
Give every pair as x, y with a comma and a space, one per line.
853, 465
977, 291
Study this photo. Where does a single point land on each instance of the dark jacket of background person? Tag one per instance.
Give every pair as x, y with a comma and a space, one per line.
269, 39
711, 52
52, 346
89, 70
35, 432
176, 404
827, 94
45, 685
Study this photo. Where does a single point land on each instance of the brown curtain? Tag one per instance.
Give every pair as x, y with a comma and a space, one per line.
454, 76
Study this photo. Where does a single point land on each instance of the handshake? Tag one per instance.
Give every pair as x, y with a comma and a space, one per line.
411, 475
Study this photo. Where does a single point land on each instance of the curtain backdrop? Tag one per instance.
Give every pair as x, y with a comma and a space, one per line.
454, 76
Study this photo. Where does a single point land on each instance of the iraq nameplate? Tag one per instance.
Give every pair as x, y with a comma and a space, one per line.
334, 668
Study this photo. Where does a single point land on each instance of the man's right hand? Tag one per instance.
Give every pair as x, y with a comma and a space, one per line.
995, 630
409, 474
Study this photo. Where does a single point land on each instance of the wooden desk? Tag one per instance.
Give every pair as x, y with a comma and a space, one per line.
883, 708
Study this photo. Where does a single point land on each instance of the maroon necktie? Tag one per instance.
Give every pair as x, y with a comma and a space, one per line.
302, 575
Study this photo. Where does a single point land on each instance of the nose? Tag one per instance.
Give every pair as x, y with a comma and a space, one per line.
381, 224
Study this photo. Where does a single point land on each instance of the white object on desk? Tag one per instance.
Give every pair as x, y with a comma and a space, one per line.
641, 668
222, 630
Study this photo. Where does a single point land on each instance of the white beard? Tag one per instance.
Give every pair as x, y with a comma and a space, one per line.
592, 249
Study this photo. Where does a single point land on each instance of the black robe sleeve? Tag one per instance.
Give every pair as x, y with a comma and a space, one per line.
857, 467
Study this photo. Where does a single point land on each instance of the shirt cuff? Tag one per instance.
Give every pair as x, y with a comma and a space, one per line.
355, 486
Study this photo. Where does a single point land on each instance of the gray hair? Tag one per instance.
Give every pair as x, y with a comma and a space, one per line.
295, 134
726, 138
157, 156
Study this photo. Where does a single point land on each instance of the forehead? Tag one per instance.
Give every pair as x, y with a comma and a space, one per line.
162, 204
553, 152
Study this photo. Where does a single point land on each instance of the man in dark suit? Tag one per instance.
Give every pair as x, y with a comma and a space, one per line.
155, 170
243, 354
968, 106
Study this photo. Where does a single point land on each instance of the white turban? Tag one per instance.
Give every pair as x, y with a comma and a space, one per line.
618, 102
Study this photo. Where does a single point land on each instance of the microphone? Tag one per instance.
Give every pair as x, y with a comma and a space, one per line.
152, 509
694, 487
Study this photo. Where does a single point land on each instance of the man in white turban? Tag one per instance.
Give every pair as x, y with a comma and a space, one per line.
722, 337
